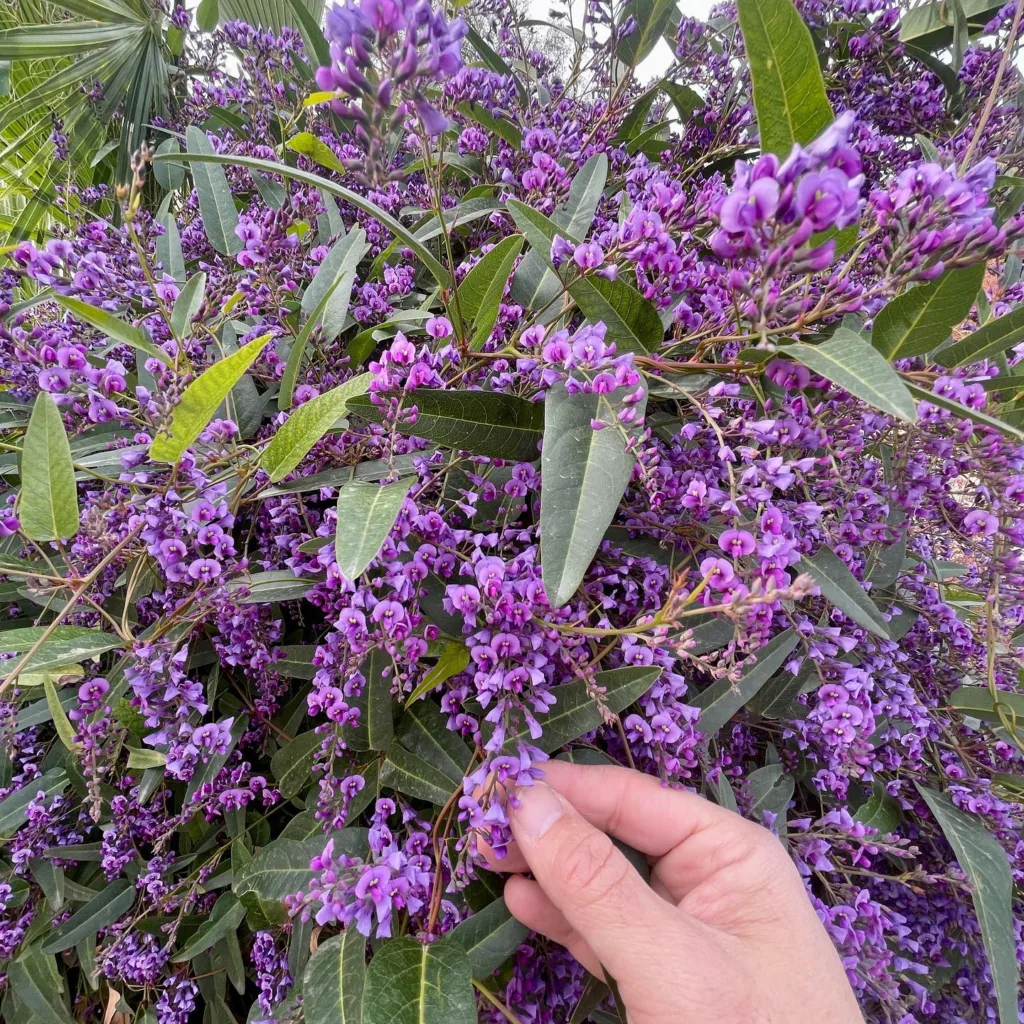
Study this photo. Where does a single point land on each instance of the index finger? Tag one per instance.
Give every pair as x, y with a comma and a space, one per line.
630, 806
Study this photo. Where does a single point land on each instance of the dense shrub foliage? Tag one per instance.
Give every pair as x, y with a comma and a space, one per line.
408, 406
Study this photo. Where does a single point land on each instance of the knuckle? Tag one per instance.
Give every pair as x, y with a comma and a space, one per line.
591, 869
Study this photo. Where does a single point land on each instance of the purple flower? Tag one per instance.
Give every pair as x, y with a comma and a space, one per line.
737, 543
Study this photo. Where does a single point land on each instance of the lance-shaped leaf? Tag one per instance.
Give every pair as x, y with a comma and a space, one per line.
61, 722
479, 295
453, 659
14, 806
399, 230
922, 318
60, 649
489, 938
40, 988
577, 710
984, 862
789, 91
881, 811
652, 18
275, 871
113, 327
332, 294
168, 250
967, 412
308, 145
409, 774
584, 473
376, 718
366, 515
292, 764
200, 400
499, 126
226, 917
332, 987
115, 900
216, 204
843, 590
170, 176
585, 193
342, 260
409, 982
424, 731
49, 499
633, 322
853, 365
978, 702
307, 424
482, 422
187, 304
722, 699
769, 789
995, 338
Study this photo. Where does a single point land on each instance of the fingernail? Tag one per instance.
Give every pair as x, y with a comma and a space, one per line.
539, 808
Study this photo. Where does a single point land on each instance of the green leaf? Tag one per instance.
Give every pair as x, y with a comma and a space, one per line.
769, 789
995, 338
576, 711
187, 304
50, 879
226, 917
207, 15
39, 987
366, 515
376, 722
24, 639
48, 509
168, 249
275, 871
270, 586
686, 100
14, 806
439, 272
307, 425
424, 732
220, 218
633, 322
985, 864
339, 263
115, 900
652, 17
881, 811
930, 26
853, 365
26, 42
332, 987
482, 422
292, 764
584, 473
843, 590
978, 702
633, 122
722, 699
959, 409
200, 400
170, 176
489, 938
453, 660
789, 91
419, 983
480, 293
955, 9
409, 774
585, 192
140, 757
113, 327
921, 319
310, 146
65, 730
499, 126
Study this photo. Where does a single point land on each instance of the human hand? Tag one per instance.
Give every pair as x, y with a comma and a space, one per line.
724, 934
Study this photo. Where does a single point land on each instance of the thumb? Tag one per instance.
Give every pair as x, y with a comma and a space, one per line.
590, 881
